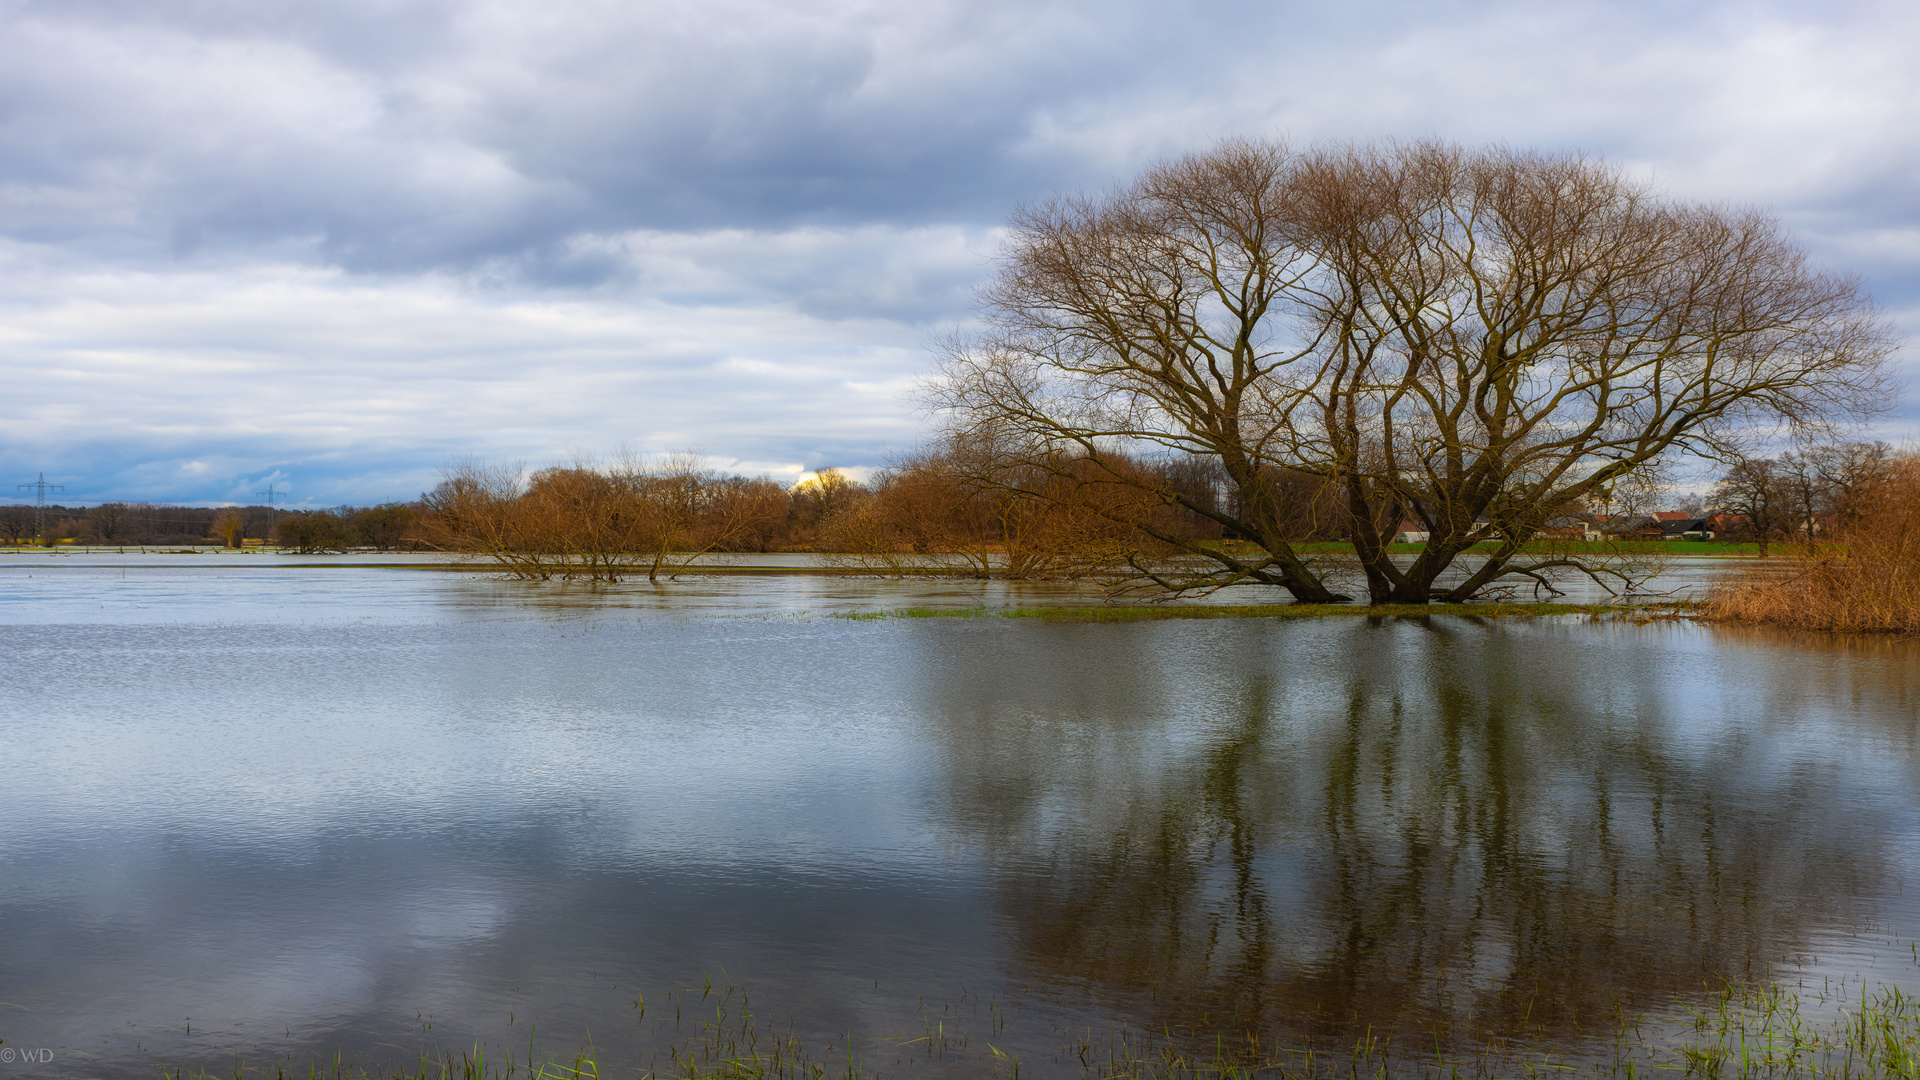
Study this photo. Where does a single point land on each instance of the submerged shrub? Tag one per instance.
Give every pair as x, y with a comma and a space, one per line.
601, 523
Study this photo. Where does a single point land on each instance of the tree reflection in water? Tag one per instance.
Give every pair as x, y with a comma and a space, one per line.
1463, 829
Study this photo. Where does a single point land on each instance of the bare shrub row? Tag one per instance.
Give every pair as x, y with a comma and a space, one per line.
947, 508
598, 522
1862, 576
1064, 516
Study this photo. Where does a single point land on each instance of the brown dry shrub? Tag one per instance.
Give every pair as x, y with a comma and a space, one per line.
1864, 578
955, 507
600, 523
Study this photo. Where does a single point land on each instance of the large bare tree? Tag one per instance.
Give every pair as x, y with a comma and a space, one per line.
1474, 340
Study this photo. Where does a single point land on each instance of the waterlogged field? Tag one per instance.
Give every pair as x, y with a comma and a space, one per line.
256, 819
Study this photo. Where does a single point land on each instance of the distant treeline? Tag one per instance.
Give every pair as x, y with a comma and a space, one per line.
382, 528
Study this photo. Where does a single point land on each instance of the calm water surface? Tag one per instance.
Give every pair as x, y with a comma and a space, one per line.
380, 812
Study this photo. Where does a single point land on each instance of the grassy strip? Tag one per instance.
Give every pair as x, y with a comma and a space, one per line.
1120, 613
1743, 1032
1575, 547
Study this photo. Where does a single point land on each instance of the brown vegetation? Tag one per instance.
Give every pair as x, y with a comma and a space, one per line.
1863, 575
599, 523
130, 524
381, 528
18, 523
230, 526
1063, 522
948, 509
1477, 342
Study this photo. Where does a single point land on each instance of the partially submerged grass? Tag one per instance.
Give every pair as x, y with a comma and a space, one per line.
1741, 1032
1117, 613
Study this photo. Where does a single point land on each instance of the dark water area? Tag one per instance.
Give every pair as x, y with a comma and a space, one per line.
378, 813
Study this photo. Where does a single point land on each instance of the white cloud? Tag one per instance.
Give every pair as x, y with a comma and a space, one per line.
350, 241
318, 371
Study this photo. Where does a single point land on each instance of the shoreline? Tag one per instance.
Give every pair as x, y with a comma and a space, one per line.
1157, 612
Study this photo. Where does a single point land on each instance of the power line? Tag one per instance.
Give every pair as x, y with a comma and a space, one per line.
273, 518
40, 488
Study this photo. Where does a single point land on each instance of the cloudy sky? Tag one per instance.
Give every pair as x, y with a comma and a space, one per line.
334, 247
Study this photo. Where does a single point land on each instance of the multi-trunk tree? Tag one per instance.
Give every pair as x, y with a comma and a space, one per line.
1476, 341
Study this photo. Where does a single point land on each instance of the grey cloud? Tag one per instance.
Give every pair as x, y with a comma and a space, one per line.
142, 383
351, 240
914, 276
441, 133
502, 129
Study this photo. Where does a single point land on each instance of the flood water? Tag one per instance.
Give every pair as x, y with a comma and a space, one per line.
279, 815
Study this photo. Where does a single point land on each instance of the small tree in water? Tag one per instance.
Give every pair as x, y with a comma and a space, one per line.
1473, 341
593, 522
